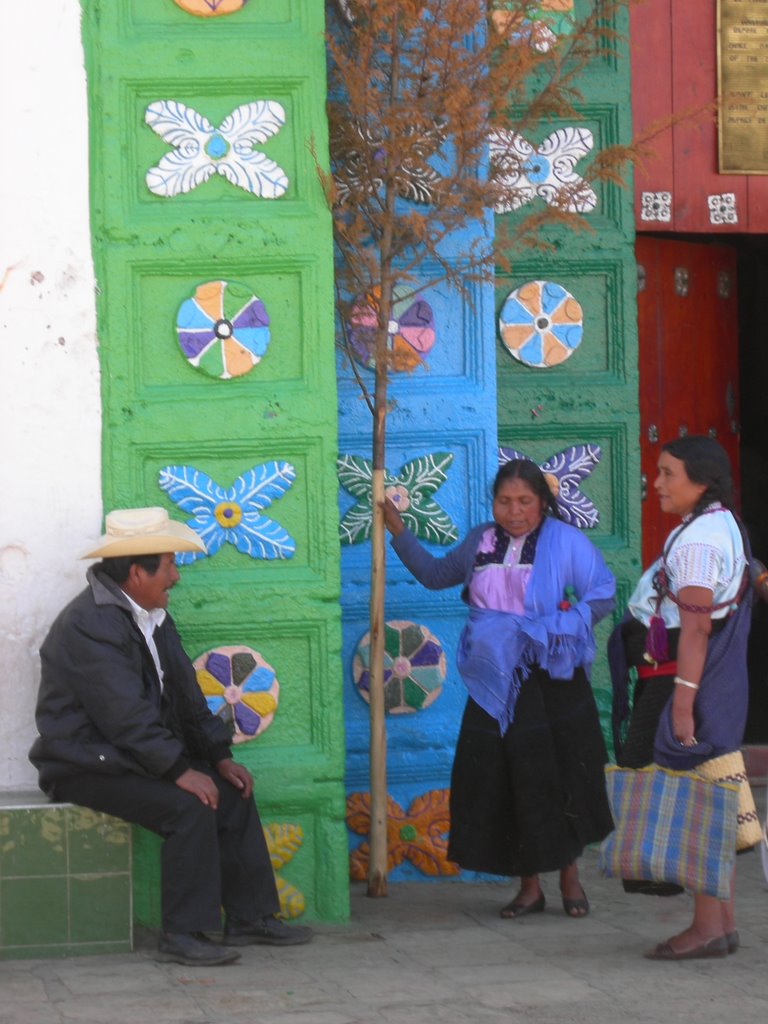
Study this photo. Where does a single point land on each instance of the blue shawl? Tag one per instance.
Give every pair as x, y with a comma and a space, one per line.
497, 650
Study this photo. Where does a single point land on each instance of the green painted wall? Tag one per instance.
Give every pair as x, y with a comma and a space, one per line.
592, 397
151, 252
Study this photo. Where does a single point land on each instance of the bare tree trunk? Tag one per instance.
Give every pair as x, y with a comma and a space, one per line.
377, 865
377, 839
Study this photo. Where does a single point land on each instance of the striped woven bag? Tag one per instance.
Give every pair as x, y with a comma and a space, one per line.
671, 827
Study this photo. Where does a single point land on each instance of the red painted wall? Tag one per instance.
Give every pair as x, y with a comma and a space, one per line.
674, 82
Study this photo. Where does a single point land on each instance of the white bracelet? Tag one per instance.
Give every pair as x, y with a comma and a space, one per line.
684, 682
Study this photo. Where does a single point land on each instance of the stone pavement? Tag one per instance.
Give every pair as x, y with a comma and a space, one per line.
430, 952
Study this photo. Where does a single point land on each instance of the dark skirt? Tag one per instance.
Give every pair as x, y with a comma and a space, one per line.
530, 801
649, 700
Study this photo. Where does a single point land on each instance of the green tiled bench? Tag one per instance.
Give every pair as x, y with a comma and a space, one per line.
65, 879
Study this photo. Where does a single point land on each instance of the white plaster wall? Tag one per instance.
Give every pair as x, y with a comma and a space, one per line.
50, 411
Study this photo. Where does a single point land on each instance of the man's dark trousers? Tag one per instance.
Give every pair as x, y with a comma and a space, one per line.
210, 859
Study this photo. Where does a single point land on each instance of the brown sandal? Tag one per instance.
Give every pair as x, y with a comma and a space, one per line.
714, 948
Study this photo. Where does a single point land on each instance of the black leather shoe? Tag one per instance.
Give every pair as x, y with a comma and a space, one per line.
268, 931
193, 949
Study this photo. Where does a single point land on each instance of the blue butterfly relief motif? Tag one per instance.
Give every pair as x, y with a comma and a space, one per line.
232, 515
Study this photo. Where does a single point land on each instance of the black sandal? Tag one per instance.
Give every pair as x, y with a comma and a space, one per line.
517, 909
576, 908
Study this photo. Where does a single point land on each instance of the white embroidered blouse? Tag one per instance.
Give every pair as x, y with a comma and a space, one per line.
708, 553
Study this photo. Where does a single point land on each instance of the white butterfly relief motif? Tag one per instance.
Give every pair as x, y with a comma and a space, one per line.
547, 170
200, 150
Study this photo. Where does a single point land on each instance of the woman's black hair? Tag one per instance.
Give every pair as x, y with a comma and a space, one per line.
118, 568
706, 462
529, 473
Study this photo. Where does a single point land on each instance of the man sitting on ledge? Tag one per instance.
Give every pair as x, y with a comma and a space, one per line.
124, 729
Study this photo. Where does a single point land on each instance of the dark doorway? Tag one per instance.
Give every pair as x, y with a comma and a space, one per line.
753, 363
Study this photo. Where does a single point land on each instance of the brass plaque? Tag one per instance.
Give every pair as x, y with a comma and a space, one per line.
742, 78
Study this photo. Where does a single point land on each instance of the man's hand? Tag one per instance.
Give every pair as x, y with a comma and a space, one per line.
201, 786
236, 775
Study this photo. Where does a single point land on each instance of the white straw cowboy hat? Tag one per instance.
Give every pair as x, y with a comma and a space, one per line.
143, 531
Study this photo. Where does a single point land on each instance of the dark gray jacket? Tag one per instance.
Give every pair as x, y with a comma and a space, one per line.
100, 707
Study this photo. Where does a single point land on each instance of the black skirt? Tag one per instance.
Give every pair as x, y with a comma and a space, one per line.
531, 800
650, 698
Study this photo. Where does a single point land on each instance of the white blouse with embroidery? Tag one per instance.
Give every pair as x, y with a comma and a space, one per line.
501, 585
708, 553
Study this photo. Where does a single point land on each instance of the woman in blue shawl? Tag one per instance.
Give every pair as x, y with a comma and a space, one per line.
527, 787
685, 633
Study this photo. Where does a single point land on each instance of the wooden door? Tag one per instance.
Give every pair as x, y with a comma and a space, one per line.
158, 236
674, 82
689, 358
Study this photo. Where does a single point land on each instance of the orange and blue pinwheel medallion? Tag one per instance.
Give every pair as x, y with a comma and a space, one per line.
541, 323
210, 8
223, 329
240, 688
539, 24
